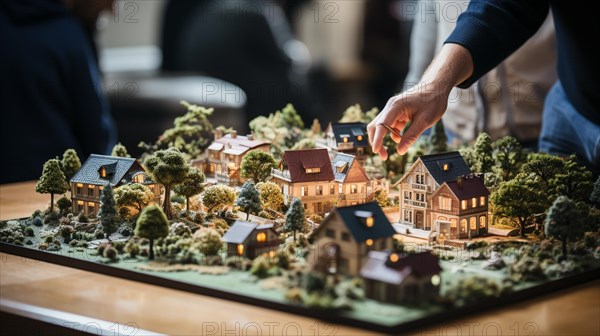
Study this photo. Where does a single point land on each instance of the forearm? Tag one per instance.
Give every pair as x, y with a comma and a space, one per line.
452, 66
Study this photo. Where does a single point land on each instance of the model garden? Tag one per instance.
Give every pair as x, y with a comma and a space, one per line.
310, 218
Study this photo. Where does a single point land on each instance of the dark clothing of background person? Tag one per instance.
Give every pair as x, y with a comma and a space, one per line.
50, 89
244, 42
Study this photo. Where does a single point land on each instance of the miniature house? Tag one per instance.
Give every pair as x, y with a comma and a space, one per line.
459, 209
349, 234
320, 183
250, 240
401, 279
224, 156
423, 178
100, 170
349, 138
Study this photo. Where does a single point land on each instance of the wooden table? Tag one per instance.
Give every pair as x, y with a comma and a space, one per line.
88, 301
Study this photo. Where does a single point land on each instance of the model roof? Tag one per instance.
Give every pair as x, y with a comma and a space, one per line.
240, 231
240, 140
354, 216
116, 168
300, 162
353, 130
341, 164
466, 187
435, 165
379, 266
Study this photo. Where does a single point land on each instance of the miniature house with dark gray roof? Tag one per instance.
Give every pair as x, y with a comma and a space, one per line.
423, 178
350, 233
401, 278
100, 170
348, 138
250, 239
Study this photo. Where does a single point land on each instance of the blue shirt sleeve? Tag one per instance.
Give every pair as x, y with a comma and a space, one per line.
493, 29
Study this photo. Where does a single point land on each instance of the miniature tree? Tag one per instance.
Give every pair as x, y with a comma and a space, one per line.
382, 197
169, 168
544, 166
52, 181
294, 218
574, 182
257, 165
135, 195
482, 159
64, 204
595, 195
271, 196
315, 128
152, 224
120, 151
519, 200
249, 199
564, 222
438, 141
190, 133
208, 241
218, 197
355, 113
108, 211
282, 128
70, 164
508, 157
191, 186
306, 143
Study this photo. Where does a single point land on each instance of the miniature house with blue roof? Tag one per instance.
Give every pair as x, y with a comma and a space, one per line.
98, 171
250, 239
348, 138
346, 236
423, 178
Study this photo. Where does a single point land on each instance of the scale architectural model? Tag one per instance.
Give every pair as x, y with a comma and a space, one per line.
313, 223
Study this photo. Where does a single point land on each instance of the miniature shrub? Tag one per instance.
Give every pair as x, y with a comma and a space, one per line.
180, 229
64, 204
66, 231
99, 234
37, 221
208, 241
265, 214
82, 218
83, 236
175, 198
110, 253
48, 239
282, 259
126, 232
301, 240
119, 246
527, 268
36, 213
220, 225
198, 217
29, 232
51, 218
74, 243
472, 289
237, 262
43, 247
64, 221
132, 248
28, 242
591, 239
313, 282
477, 245
562, 269
214, 260
101, 248
260, 267
316, 218
53, 248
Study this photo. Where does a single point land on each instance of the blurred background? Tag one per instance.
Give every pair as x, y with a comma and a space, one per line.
248, 58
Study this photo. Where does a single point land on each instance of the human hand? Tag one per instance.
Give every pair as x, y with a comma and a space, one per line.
422, 105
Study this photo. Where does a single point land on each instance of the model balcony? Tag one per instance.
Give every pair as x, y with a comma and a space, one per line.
353, 197
415, 203
285, 175
418, 186
345, 145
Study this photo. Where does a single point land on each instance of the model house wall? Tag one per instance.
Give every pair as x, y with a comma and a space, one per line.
250, 239
98, 171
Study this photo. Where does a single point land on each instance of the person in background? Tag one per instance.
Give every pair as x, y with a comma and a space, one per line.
249, 43
508, 100
486, 34
50, 90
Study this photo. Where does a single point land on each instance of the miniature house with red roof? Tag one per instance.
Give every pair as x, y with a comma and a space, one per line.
250, 239
401, 278
224, 156
98, 171
346, 236
319, 182
459, 209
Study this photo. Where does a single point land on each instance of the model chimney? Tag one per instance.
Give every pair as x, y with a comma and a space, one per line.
218, 134
233, 134
459, 181
250, 137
